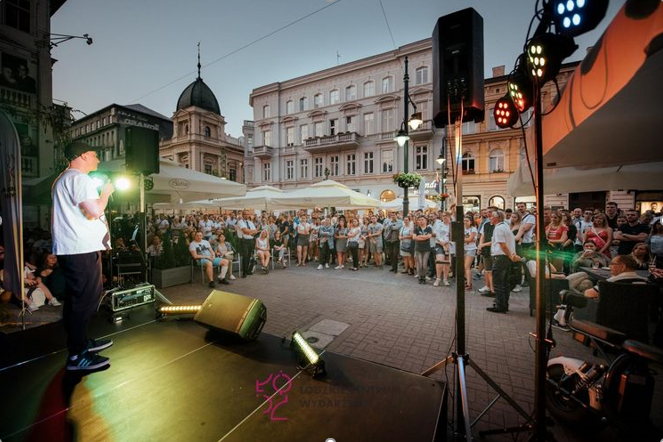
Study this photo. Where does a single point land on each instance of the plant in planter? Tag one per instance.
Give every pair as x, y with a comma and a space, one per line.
406, 180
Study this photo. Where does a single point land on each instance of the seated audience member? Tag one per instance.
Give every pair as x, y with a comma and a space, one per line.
622, 269
52, 276
226, 250
641, 256
279, 248
201, 251
588, 257
262, 250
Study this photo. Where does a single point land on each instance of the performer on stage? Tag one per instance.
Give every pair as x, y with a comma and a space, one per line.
80, 233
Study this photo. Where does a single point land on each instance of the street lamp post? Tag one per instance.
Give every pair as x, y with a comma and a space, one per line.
403, 134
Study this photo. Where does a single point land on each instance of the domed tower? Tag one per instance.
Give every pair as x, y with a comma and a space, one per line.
199, 139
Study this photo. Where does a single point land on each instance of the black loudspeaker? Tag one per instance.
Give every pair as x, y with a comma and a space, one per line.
235, 314
142, 150
458, 67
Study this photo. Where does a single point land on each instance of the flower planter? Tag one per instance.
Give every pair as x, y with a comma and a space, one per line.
163, 278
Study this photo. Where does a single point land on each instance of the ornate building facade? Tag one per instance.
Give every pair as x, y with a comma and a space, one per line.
341, 123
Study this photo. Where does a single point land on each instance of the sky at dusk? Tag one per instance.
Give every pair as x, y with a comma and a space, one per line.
144, 51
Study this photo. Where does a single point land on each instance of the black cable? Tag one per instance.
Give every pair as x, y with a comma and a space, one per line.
384, 14
558, 98
241, 48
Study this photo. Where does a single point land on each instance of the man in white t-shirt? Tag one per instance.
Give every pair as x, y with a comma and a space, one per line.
80, 232
503, 251
201, 251
527, 229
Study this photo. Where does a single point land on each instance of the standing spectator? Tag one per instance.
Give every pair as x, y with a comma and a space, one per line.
364, 251
583, 226
286, 226
421, 237
442, 250
556, 235
313, 249
515, 222
655, 242
486, 235
206, 226
354, 233
406, 245
326, 235
246, 230
568, 247
600, 234
503, 249
303, 232
525, 235
393, 227
341, 236
631, 233
375, 241
470, 247
611, 214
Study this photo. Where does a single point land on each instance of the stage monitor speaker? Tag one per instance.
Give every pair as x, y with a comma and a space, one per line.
142, 150
236, 314
458, 67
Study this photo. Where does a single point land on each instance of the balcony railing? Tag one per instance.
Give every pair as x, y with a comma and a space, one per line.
330, 143
263, 152
30, 166
423, 132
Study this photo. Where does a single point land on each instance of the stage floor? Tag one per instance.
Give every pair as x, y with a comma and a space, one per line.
174, 380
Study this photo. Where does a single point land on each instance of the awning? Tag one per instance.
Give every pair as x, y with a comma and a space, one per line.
327, 193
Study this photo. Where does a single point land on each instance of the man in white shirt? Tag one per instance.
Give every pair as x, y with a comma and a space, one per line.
246, 231
80, 232
206, 225
503, 251
527, 230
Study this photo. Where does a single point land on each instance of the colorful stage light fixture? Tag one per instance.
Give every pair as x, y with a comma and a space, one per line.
575, 17
505, 112
315, 365
545, 54
521, 91
122, 183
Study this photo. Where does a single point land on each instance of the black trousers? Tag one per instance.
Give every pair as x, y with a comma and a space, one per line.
501, 269
354, 251
84, 287
246, 250
325, 253
394, 250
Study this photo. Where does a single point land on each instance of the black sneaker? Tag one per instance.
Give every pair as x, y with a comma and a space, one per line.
86, 361
224, 281
96, 345
496, 310
212, 284
558, 326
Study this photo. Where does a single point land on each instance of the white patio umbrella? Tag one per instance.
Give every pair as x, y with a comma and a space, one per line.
261, 198
328, 193
175, 184
397, 204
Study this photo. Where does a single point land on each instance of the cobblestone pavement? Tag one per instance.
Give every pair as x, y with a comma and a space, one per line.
398, 323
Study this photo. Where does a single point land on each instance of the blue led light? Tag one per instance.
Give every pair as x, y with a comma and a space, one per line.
570, 5
576, 19
560, 9
567, 22
580, 3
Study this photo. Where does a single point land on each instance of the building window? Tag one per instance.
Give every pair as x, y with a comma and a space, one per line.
497, 201
317, 100
290, 170
319, 167
369, 123
333, 126
289, 107
334, 96
266, 111
303, 132
351, 164
350, 124
387, 161
350, 93
468, 163
496, 161
387, 84
369, 89
334, 165
303, 168
17, 14
469, 127
423, 108
208, 132
421, 158
318, 128
368, 162
303, 104
491, 120
267, 172
421, 75
249, 140
208, 169
103, 121
523, 156
267, 138
387, 120
290, 136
